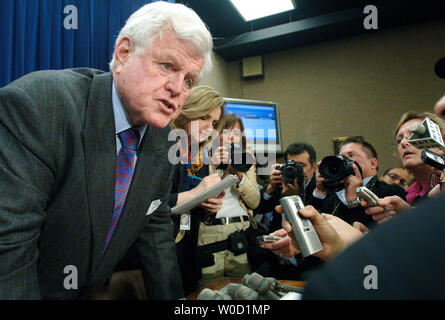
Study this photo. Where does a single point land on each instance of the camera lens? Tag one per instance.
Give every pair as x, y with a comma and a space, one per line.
333, 168
289, 174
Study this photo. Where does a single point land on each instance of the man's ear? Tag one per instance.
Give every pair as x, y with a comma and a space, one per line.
124, 49
374, 163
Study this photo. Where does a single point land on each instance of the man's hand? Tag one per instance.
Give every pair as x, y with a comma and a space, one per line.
352, 182
275, 179
393, 204
290, 189
439, 188
283, 247
335, 234
320, 182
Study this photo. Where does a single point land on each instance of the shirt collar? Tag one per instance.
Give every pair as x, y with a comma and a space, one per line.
122, 121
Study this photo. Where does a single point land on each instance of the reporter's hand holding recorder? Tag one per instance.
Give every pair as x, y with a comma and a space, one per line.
335, 235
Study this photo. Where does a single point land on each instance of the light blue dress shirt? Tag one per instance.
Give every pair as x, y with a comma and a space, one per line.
342, 193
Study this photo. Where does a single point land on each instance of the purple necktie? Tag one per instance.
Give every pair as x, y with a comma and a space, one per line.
124, 172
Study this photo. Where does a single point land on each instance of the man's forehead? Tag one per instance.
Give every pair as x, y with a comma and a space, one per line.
304, 156
351, 147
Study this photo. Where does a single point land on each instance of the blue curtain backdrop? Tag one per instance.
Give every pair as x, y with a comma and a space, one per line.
34, 37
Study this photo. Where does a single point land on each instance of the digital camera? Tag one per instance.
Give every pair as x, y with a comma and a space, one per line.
335, 169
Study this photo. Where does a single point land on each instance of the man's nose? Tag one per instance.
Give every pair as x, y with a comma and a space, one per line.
174, 85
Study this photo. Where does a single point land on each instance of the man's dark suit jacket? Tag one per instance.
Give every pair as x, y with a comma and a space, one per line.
332, 204
57, 173
407, 256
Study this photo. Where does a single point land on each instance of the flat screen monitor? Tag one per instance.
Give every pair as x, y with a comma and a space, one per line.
261, 124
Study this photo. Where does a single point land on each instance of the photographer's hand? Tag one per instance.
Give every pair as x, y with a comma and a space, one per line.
290, 189
275, 179
221, 155
320, 182
232, 170
352, 182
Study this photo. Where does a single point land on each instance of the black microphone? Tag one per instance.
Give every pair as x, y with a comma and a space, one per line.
208, 294
261, 285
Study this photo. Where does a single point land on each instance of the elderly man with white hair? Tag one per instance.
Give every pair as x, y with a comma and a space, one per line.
83, 162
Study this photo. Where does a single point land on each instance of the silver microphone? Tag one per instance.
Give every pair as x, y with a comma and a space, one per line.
261, 285
302, 228
417, 128
208, 294
240, 292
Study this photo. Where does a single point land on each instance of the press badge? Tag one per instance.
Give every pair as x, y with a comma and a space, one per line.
185, 222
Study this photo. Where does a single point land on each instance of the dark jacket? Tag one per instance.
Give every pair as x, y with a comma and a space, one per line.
403, 256
332, 204
57, 173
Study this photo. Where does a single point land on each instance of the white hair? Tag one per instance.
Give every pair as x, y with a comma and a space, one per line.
144, 25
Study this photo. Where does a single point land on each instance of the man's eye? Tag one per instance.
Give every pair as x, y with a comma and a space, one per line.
188, 83
167, 66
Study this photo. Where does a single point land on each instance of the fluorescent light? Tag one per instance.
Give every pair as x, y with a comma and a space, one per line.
255, 9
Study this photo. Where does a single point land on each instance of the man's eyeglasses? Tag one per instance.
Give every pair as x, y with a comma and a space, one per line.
394, 176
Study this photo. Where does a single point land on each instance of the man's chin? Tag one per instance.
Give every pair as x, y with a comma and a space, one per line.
159, 121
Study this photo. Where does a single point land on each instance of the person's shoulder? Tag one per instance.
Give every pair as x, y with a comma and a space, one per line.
390, 189
41, 80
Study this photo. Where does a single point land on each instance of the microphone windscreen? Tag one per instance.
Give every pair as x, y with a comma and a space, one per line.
207, 294
245, 293
257, 282
231, 289
439, 68
417, 128
261, 285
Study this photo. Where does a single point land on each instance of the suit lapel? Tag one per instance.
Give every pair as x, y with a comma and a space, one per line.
100, 160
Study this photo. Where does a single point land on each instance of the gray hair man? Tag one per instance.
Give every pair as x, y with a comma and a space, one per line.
70, 206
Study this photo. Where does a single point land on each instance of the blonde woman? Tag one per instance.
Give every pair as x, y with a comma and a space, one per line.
427, 179
198, 122
426, 176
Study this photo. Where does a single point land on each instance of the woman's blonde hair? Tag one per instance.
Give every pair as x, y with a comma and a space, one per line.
201, 102
410, 115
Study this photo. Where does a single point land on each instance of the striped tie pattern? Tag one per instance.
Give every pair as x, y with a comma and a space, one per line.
124, 172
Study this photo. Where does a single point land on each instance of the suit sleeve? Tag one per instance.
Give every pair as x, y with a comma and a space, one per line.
27, 181
157, 253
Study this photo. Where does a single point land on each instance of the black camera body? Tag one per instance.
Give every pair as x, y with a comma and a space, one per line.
291, 170
240, 160
336, 168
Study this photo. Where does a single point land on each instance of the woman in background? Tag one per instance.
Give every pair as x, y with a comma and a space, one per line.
426, 176
223, 238
198, 122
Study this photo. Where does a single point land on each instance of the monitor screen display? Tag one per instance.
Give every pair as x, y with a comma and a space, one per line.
260, 119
